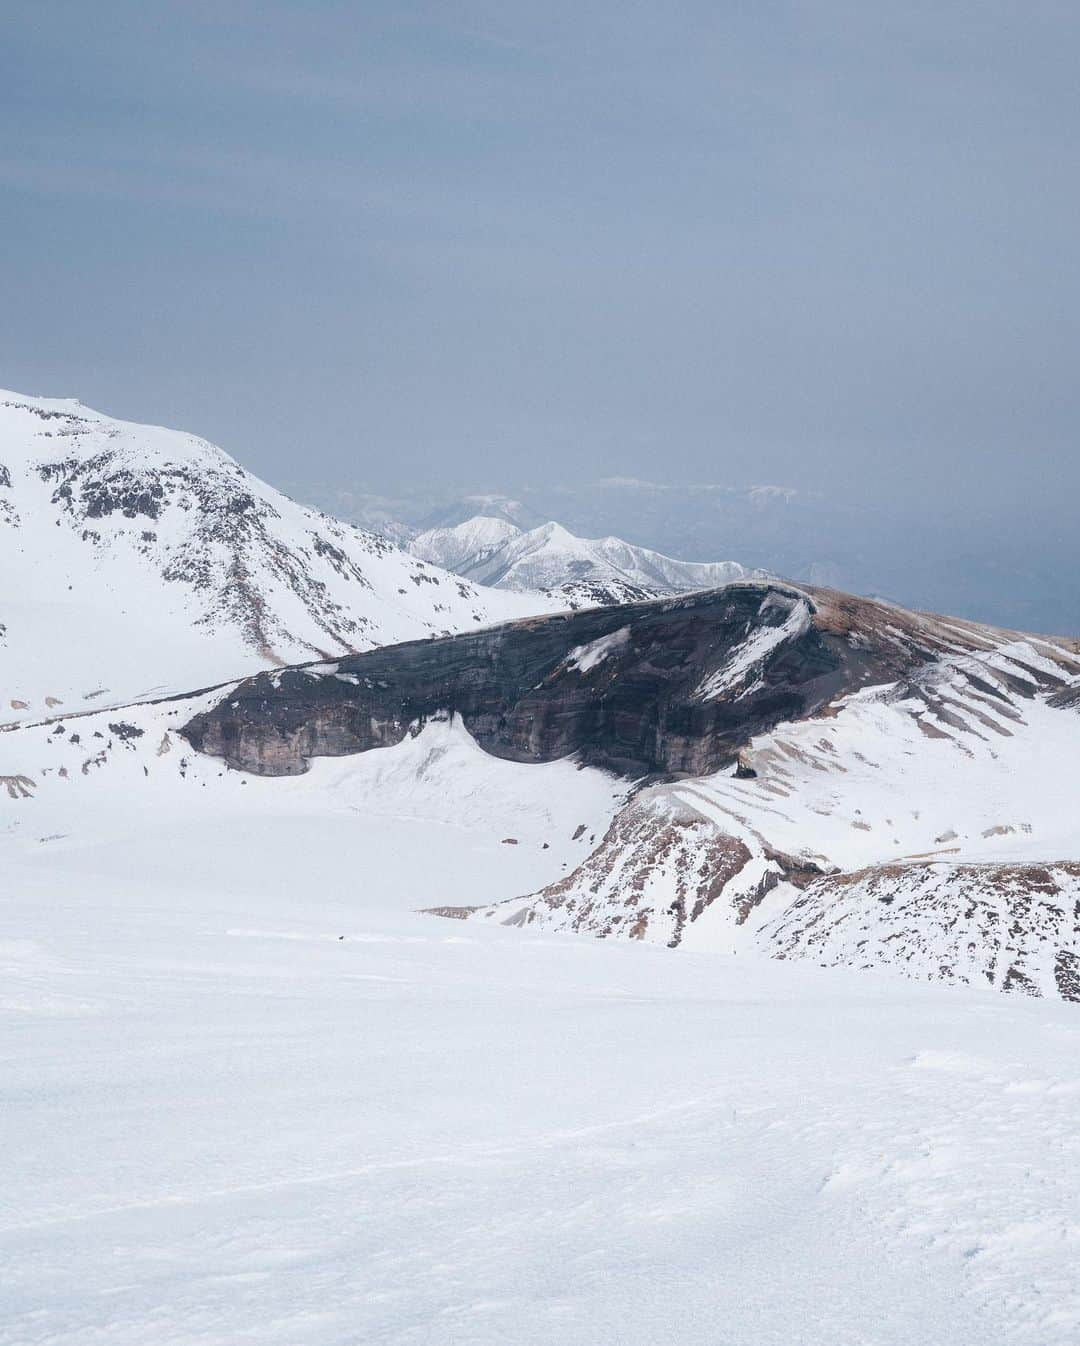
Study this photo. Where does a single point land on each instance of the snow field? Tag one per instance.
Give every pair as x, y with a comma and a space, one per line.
251, 1094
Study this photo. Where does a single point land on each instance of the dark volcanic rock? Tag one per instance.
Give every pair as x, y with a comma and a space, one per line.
674, 686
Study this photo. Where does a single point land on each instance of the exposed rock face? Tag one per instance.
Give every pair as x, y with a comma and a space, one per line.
658, 870
1012, 926
1068, 698
672, 687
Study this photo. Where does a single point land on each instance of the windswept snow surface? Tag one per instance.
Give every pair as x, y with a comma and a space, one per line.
251, 1094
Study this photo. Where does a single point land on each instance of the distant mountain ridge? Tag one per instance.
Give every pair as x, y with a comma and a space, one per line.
580, 571
979, 563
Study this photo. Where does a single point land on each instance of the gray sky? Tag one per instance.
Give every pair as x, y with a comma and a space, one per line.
831, 245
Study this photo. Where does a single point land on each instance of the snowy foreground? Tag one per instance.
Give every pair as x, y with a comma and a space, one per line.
222, 1122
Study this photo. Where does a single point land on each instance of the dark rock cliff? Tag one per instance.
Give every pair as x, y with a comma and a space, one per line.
674, 686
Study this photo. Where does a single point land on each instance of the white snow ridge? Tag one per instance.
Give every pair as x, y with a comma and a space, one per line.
776, 1044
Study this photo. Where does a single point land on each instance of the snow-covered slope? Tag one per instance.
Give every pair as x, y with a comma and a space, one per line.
251, 1094
582, 572
73, 787
136, 558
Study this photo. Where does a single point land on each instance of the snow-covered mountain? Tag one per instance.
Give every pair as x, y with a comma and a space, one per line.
923, 822
779, 771
581, 572
468, 546
925, 826
853, 783
138, 559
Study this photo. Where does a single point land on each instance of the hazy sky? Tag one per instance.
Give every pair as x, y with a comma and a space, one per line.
824, 244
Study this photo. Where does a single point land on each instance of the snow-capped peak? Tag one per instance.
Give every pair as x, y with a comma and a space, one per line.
466, 546
580, 571
139, 559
